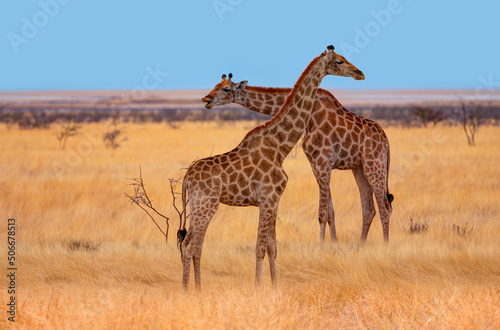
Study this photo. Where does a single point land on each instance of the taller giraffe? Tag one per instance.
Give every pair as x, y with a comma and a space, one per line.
335, 138
252, 174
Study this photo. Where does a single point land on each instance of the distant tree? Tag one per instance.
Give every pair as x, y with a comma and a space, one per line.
112, 139
67, 130
470, 116
427, 115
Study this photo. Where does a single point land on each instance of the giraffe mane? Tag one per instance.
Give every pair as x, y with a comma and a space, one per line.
276, 118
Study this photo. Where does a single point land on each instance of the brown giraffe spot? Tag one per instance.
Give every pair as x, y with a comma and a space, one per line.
241, 180
205, 175
346, 144
292, 112
265, 165
287, 125
202, 185
354, 150
317, 140
308, 91
341, 122
282, 136
326, 128
245, 161
233, 189
233, 177
268, 109
245, 192
295, 135
275, 176
341, 132
255, 156
248, 171
268, 97
258, 104
269, 154
257, 176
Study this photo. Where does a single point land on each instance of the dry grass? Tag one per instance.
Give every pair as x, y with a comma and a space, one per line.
89, 259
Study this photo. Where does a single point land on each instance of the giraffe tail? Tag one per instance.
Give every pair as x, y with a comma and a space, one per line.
182, 232
390, 197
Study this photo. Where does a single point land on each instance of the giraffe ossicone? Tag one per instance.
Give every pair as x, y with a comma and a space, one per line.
252, 174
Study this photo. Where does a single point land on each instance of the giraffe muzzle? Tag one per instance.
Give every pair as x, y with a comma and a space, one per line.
359, 75
209, 101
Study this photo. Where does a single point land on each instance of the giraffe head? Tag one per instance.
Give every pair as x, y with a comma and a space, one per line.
337, 65
223, 92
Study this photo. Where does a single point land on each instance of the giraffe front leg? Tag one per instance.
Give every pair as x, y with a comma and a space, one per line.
326, 214
265, 218
331, 217
197, 272
186, 267
272, 252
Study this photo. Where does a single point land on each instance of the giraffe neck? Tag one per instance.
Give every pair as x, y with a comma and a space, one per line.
265, 100
285, 129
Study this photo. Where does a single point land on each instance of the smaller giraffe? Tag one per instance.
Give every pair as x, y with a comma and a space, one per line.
252, 173
335, 138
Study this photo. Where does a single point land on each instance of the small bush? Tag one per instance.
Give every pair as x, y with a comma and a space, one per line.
82, 245
416, 226
463, 231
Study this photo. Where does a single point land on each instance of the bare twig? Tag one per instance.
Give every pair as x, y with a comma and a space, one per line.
142, 200
175, 194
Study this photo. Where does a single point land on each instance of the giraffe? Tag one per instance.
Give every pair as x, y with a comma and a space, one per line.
252, 174
335, 138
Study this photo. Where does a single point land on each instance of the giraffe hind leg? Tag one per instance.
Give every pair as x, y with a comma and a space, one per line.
376, 179
203, 207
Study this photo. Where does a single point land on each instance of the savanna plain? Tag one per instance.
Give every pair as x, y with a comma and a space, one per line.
87, 258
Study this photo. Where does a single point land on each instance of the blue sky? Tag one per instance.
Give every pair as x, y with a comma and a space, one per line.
120, 44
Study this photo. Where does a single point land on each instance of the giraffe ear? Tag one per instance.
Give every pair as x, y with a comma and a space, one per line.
241, 85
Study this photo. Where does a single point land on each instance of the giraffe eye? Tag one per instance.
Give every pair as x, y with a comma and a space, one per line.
226, 90
340, 62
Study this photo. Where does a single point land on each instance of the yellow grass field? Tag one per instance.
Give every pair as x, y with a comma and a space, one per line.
88, 259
